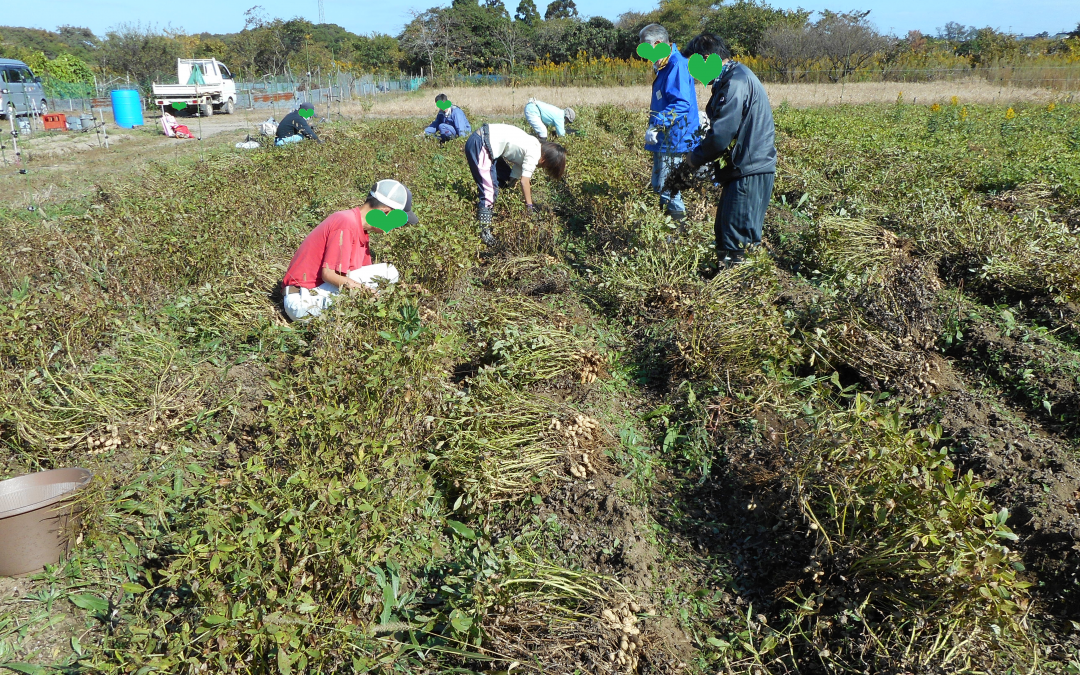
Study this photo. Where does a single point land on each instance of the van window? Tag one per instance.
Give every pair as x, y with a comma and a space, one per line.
13, 75
225, 72
26, 75
3, 75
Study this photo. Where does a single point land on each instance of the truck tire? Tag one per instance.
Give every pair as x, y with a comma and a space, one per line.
207, 109
229, 107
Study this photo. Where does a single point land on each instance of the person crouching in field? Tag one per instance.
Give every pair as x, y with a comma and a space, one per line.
294, 127
742, 134
336, 256
673, 118
448, 124
501, 154
542, 115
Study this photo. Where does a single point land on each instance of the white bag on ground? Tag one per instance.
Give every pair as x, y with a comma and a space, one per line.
268, 127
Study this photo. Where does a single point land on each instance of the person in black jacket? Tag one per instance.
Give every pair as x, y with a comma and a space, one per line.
294, 127
742, 136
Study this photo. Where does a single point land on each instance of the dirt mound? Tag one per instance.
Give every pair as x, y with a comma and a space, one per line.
1032, 472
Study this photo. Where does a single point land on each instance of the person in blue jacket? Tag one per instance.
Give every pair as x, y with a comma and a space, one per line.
673, 118
450, 123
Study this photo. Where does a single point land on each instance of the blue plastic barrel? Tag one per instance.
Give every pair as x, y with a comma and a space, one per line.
127, 108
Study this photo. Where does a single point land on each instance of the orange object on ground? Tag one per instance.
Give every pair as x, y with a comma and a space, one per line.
55, 121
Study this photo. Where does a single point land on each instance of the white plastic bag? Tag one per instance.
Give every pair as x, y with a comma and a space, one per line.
269, 127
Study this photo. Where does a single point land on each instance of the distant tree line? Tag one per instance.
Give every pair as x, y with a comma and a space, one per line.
484, 36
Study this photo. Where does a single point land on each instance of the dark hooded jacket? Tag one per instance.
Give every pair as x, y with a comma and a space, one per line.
293, 124
742, 130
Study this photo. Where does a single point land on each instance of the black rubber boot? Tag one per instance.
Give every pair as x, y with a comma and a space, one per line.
483, 217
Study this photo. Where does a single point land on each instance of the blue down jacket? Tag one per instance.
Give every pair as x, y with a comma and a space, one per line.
674, 108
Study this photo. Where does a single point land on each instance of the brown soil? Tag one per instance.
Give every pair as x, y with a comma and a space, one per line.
1005, 358
1033, 470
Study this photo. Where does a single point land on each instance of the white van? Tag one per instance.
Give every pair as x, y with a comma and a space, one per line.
21, 92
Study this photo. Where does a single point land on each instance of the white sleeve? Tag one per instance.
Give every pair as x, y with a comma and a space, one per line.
528, 162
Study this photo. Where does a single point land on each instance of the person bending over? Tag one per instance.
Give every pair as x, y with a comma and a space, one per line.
673, 118
542, 115
743, 135
294, 127
448, 124
501, 154
336, 256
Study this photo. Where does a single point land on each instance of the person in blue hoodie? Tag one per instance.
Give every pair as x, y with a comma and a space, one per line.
450, 123
673, 118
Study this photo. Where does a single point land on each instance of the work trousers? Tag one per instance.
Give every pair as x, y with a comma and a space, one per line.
489, 174
741, 212
663, 163
446, 132
295, 138
312, 301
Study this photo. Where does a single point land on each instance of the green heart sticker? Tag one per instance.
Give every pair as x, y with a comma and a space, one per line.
306, 112
443, 105
654, 53
704, 70
179, 106
386, 221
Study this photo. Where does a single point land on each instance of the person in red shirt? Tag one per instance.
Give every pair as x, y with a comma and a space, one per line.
336, 255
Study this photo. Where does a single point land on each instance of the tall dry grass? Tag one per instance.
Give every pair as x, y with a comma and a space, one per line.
511, 101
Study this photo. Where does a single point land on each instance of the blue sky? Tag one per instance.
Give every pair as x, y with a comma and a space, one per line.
365, 16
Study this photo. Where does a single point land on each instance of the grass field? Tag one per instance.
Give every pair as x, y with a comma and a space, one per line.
587, 452
511, 101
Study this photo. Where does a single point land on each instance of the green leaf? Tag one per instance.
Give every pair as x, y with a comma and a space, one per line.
132, 587
28, 668
306, 607
460, 620
284, 664
389, 603
214, 620
92, 603
462, 529
718, 643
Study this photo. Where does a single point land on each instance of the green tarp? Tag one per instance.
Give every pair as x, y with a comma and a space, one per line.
196, 75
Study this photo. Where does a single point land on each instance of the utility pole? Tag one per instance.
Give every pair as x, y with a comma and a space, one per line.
322, 12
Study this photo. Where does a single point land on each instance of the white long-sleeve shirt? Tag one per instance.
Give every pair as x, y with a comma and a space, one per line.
518, 148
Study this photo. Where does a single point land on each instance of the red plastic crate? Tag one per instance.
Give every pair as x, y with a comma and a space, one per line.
55, 121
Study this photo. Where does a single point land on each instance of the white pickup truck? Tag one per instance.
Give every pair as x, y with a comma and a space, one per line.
206, 83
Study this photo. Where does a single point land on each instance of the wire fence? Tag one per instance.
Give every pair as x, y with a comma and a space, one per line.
268, 93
